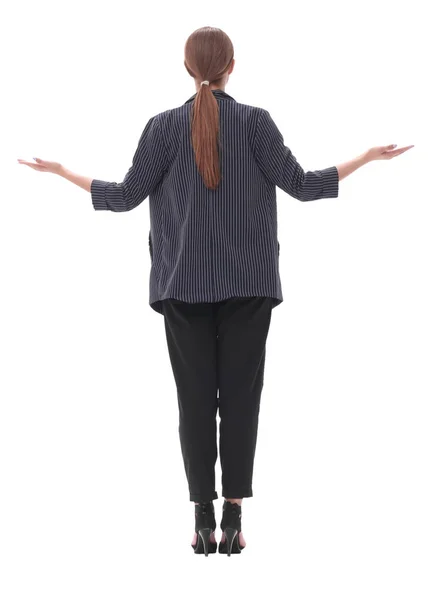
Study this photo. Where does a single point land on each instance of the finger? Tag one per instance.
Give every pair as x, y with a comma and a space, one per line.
401, 150
397, 152
42, 163
32, 165
404, 148
26, 162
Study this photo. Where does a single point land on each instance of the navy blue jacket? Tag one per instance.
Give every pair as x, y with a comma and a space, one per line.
210, 245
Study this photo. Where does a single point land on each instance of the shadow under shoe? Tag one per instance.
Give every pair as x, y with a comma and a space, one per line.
204, 525
231, 527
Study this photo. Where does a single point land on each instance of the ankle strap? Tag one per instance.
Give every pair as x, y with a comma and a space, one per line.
204, 516
231, 515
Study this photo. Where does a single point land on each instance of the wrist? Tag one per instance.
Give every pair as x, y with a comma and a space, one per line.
364, 158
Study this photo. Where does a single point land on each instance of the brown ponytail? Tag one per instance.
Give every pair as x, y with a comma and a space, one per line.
208, 55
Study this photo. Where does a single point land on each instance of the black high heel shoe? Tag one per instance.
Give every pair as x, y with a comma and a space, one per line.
231, 527
204, 525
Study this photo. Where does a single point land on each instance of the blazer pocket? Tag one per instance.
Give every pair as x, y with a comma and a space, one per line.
150, 245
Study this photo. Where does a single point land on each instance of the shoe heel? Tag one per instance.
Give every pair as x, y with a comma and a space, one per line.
205, 534
230, 534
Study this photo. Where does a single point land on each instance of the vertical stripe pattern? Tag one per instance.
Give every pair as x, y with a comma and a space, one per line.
210, 245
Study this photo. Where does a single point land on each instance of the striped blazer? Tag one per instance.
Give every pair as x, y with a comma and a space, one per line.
210, 245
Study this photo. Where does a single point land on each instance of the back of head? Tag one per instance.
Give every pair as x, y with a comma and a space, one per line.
208, 56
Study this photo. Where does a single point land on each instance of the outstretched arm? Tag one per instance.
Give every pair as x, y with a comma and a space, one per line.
148, 167
281, 167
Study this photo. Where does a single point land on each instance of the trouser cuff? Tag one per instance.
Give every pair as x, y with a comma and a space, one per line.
237, 493
203, 497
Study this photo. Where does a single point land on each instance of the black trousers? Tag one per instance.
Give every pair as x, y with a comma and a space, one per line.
217, 353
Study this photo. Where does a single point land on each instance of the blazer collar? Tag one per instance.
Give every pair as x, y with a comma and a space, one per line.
217, 93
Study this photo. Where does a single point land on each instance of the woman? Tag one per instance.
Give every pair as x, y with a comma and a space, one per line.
211, 167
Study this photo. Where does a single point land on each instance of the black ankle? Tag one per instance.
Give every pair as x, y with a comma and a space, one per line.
231, 516
205, 516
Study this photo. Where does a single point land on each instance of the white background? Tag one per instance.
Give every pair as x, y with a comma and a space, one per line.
348, 471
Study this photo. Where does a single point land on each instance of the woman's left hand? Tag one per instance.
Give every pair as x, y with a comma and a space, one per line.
43, 165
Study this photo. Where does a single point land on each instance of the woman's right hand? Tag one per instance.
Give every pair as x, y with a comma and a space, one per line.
376, 153
385, 152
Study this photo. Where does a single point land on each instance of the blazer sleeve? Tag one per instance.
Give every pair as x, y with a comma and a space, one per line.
149, 164
280, 166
